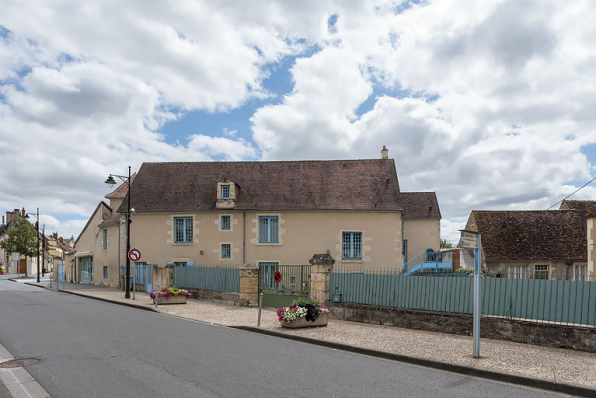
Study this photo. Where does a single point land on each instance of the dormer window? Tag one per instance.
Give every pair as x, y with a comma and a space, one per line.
225, 192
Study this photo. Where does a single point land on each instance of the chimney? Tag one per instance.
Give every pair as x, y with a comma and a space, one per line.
384, 152
2, 219
61, 240
55, 235
23, 213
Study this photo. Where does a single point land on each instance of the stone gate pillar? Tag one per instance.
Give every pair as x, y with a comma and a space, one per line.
249, 283
321, 266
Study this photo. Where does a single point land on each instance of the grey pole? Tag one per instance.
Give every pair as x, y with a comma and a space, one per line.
156, 290
260, 307
37, 244
476, 321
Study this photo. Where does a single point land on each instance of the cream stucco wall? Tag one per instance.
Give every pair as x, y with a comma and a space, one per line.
90, 241
422, 235
301, 234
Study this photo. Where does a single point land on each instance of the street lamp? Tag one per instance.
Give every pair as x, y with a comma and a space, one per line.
37, 228
111, 182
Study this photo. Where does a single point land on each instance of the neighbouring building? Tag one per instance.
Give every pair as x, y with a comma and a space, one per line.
26, 265
226, 214
544, 244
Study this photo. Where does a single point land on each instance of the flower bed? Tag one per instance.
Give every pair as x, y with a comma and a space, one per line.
302, 313
171, 295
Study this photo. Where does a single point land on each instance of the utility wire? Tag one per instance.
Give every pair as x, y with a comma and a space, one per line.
579, 189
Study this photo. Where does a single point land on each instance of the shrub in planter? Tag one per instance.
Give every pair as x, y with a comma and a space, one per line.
170, 292
303, 313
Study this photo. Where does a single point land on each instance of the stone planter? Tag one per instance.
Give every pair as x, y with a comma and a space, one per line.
303, 323
180, 299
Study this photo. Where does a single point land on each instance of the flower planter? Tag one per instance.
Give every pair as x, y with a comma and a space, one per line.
301, 322
180, 299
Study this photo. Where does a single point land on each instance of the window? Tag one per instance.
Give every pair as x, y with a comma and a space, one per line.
541, 272
516, 271
351, 245
183, 229
268, 229
580, 272
226, 223
105, 238
180, 263
225, 192
105, 272
267, 270
405, 250
226, 250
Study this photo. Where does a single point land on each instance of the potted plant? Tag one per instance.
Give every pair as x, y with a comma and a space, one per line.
171, 295
303, 313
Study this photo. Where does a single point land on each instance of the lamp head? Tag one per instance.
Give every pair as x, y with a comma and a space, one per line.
110, 181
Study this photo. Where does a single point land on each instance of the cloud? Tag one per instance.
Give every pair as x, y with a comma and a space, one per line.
487, 103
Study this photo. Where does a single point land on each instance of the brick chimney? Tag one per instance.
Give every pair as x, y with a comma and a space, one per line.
384, 153
55, 235
23, 213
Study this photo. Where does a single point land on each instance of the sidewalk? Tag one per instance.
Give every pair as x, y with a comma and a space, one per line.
544, 363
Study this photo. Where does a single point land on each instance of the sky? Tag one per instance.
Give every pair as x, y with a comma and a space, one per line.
489, 104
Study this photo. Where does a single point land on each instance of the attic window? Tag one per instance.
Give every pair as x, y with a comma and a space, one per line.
225, 192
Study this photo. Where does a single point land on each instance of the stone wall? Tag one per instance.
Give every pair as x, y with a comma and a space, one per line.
558, 336
229, 298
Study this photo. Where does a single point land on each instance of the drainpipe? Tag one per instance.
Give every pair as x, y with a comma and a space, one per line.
119, 267
243, 237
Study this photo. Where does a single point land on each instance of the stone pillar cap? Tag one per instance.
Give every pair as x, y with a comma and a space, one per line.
322, 259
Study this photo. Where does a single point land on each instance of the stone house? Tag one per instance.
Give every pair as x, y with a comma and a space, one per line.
546, 244
226, 214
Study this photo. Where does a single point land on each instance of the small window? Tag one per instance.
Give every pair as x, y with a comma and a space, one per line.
226, 250
183, 229
180, 264
580, 272
225, 192
225, 223
351, 245
405, 250
516, 271
105, 272
105, 239
541, 272
268, 229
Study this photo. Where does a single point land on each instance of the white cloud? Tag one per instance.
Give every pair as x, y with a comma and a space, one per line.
499, 94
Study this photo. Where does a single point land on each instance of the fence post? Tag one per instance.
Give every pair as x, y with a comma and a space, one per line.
260, 308
321, 266
249, 283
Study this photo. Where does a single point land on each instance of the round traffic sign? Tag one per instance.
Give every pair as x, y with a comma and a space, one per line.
134, 255
277, 276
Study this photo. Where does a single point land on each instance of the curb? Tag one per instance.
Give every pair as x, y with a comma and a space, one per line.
111, 301
429, 363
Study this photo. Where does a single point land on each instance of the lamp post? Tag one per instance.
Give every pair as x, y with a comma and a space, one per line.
111, 182
37, 229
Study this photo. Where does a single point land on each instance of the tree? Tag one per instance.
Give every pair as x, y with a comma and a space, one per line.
446, 245
21, 237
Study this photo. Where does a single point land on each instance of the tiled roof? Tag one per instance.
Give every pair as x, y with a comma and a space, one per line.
532, 234
582, 206
291, 185
121, 191
419, 205
109, 221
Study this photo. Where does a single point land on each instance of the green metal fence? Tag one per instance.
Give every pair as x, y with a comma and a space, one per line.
224, 279
556, 301
294, 283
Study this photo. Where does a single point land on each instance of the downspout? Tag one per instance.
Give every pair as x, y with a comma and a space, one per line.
243, 237
119, 266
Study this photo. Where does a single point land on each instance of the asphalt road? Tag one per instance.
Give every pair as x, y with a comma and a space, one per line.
95, 349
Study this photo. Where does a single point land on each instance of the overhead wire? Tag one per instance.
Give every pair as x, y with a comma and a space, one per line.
576, 191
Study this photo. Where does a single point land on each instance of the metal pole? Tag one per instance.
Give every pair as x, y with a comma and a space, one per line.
127, 277
37, 223
156, 290
43, 257
260, 307
476, 320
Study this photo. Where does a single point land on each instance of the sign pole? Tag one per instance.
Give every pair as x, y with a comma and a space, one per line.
476, 321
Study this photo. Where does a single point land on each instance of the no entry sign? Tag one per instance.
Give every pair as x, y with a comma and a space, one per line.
277, 276
134, 255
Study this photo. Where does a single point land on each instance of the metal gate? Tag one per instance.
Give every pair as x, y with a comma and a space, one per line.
293, 282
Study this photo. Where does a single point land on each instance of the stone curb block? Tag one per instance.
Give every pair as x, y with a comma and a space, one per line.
429, 363
111, 301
